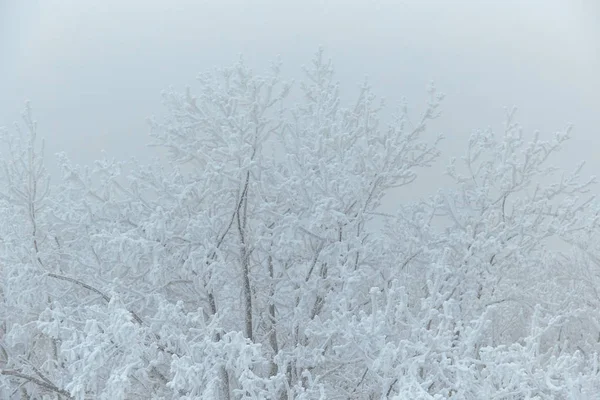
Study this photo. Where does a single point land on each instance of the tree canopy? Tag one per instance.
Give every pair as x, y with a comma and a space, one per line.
256, 263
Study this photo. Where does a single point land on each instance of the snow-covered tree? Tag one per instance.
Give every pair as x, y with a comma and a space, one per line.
256, 262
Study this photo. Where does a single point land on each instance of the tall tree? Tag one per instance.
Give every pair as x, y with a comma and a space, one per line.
256, 262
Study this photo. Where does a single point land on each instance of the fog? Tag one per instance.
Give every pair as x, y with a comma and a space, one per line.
94, 70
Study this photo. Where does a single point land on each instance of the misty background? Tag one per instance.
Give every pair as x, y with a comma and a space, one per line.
94, 70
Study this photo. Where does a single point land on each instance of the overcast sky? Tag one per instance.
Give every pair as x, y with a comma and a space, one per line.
94, 70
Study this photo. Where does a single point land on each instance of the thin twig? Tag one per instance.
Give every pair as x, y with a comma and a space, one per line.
93, 289
39, 382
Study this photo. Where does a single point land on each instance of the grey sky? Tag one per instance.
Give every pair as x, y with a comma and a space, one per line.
94, 69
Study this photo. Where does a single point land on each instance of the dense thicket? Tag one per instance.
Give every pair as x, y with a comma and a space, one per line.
256, 263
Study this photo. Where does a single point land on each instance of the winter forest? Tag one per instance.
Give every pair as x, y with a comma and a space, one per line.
253, 259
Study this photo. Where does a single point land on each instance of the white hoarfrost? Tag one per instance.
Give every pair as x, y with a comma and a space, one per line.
256, 262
